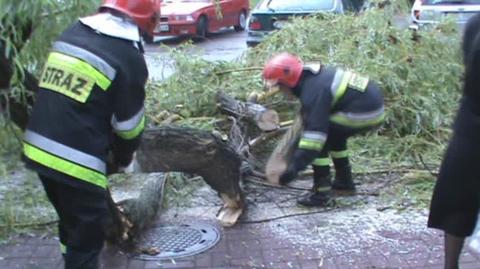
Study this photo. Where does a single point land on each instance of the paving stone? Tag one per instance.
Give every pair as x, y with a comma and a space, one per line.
203, 260
328, 263
175, 264
262, 246
136, 264
473, 265
310, 264
220, 259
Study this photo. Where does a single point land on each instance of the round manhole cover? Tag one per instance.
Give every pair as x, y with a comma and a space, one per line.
178, 240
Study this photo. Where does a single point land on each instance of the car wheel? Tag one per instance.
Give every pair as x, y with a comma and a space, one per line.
242, 22
202, 27
252, 44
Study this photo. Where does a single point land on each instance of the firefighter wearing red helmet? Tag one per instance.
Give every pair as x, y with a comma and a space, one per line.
89, 112
335, 105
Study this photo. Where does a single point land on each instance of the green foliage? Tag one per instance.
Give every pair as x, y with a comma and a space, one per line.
419, 72
415, 191
23, 199
46, 19
190, 92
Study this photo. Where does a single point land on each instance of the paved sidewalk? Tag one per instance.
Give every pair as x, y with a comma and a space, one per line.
363, 232
259, 246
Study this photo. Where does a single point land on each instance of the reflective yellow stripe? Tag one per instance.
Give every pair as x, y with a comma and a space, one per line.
80, 66
64, 166
321, 162
339, 154
310, 144
342, 87
63, 248
131, 134
345, 121
323, 189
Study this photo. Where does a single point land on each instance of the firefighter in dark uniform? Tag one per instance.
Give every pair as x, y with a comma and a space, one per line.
90, 105
455, 203
335, 104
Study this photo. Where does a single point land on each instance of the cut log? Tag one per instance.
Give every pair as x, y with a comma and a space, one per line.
133, 208
278, 160
198, 152
263, 118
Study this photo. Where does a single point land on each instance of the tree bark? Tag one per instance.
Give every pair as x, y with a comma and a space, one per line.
198, 152
192, 151
263, 118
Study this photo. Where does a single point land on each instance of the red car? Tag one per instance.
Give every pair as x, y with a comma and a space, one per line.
199, 17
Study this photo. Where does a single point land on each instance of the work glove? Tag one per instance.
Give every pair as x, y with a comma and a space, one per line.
125, 166
288, 176
129, 168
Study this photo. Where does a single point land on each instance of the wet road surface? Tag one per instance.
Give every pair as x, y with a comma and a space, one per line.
226, 45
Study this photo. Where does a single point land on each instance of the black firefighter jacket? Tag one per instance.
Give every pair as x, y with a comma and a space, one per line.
90, 104
333, 96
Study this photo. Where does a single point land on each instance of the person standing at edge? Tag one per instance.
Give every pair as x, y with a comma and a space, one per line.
455, 200
90, 106
335, 105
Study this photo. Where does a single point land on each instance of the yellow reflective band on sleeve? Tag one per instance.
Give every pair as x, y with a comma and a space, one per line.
321, 162
342, 87
310, 144
345, 121
71, 77
64, 166
131, 134
339, 154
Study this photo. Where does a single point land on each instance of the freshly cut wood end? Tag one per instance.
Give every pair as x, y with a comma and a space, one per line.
268, 120
229, 216
231, 210
275, 167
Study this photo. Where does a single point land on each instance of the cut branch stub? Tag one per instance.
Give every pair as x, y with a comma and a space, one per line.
265, 119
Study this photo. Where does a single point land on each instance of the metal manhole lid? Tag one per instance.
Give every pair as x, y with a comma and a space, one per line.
178, 240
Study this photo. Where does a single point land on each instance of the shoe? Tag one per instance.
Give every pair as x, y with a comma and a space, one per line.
316, 199
343, 183
344, 188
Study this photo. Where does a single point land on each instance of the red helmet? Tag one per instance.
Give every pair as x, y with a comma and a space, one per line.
283, 68
145, 13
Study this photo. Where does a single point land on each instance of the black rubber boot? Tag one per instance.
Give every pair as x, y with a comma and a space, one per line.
320, 196
316, 199
343, 183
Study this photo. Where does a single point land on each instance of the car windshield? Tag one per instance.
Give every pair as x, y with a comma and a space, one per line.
452, 2
295, 5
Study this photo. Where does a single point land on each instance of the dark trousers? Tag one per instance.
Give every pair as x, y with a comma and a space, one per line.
336, 142
82, 216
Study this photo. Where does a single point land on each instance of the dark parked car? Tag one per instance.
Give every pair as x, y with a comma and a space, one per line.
271, 15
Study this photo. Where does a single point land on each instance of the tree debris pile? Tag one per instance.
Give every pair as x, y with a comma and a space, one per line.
420, 73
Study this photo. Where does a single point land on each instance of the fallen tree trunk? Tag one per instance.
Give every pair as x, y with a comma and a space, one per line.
133, 209
198, 152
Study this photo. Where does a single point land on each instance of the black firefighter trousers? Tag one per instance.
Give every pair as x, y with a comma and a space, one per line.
82, 217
